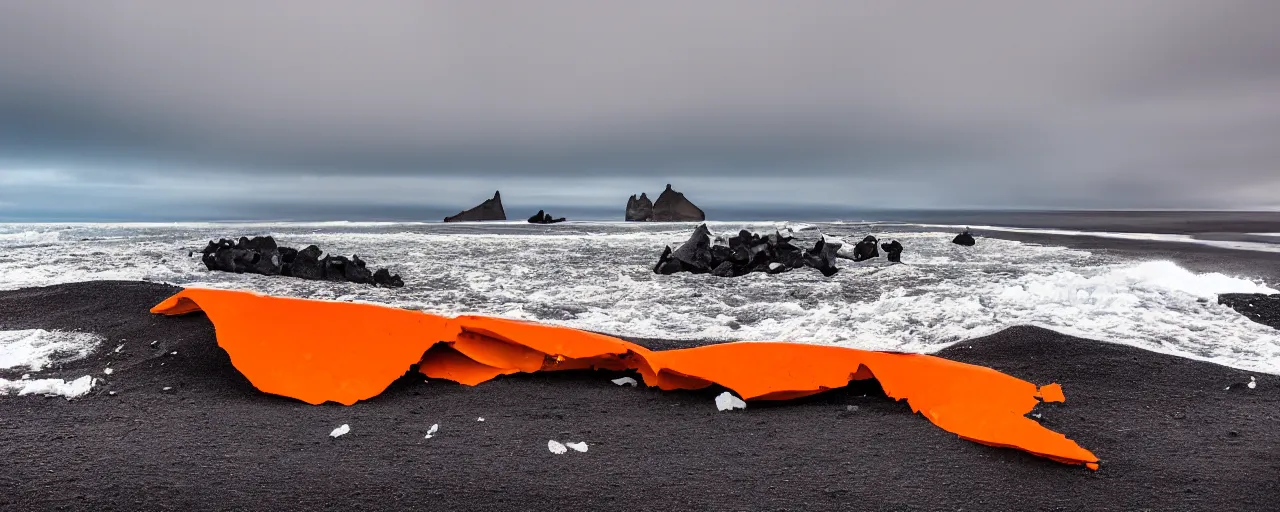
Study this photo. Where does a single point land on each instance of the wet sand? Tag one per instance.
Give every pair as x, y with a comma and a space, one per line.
1169, 435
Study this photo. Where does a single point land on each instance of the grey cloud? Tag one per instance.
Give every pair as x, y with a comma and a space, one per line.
994, 103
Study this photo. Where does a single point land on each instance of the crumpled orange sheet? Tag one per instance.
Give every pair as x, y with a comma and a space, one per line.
319, 351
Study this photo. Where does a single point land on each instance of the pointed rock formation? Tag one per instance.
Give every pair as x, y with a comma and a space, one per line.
671, 206
640, 209
491, 209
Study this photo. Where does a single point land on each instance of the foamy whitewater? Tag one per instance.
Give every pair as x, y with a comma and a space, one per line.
598, 276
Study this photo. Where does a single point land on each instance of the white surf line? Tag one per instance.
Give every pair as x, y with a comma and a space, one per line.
1146, 237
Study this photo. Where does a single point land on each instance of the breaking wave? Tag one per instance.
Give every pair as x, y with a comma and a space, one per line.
598, 276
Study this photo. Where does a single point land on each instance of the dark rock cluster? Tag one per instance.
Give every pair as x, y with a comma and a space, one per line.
965, 239
261, 255
743, 254
893, 251
490, 209
866, 249
671, 206
1259, 307
544, 218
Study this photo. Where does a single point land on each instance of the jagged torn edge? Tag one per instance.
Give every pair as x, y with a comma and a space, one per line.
320, 351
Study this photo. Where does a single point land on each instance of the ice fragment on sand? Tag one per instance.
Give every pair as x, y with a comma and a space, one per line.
1252, 382
107, 371
174, 353
556, 447
119, 348
480, 419
431, 431
625, 381
578, 447
340, 430
48, 387
726, 401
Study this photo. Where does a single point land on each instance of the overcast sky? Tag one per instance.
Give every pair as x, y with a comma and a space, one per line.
332, 109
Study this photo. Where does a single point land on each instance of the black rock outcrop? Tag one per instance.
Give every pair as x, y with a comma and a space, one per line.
866, 249
261, 255
743, 254
671, 206
965, 239
490, 209
1259, 307
893, 251
544, 218
639, 209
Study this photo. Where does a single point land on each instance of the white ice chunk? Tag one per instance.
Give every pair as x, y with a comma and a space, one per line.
580, 447
625, 381
431, 431
556, 447
1252, 383
48, 387
726, 401
340, 430
107, 371
480, 419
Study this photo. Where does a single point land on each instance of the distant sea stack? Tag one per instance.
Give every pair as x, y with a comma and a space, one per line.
543, 217
491, 209
671, 206
639, 210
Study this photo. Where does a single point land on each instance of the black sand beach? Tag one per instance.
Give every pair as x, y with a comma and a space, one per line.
1169, 435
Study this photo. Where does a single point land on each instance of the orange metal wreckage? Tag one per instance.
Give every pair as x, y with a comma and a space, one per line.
319, 351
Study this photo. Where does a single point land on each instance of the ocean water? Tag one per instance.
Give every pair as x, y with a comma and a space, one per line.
598, 276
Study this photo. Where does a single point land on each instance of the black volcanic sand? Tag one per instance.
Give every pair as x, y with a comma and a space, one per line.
1170, 436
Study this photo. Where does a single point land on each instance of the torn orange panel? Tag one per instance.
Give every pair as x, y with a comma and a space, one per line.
320, 351
1052, 392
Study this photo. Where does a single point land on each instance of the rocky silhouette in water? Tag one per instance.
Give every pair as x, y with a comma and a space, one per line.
893, 251
965, 239
639, 209
866, 249
491, 209
671, 206
743, 254
261, 255
544, 218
